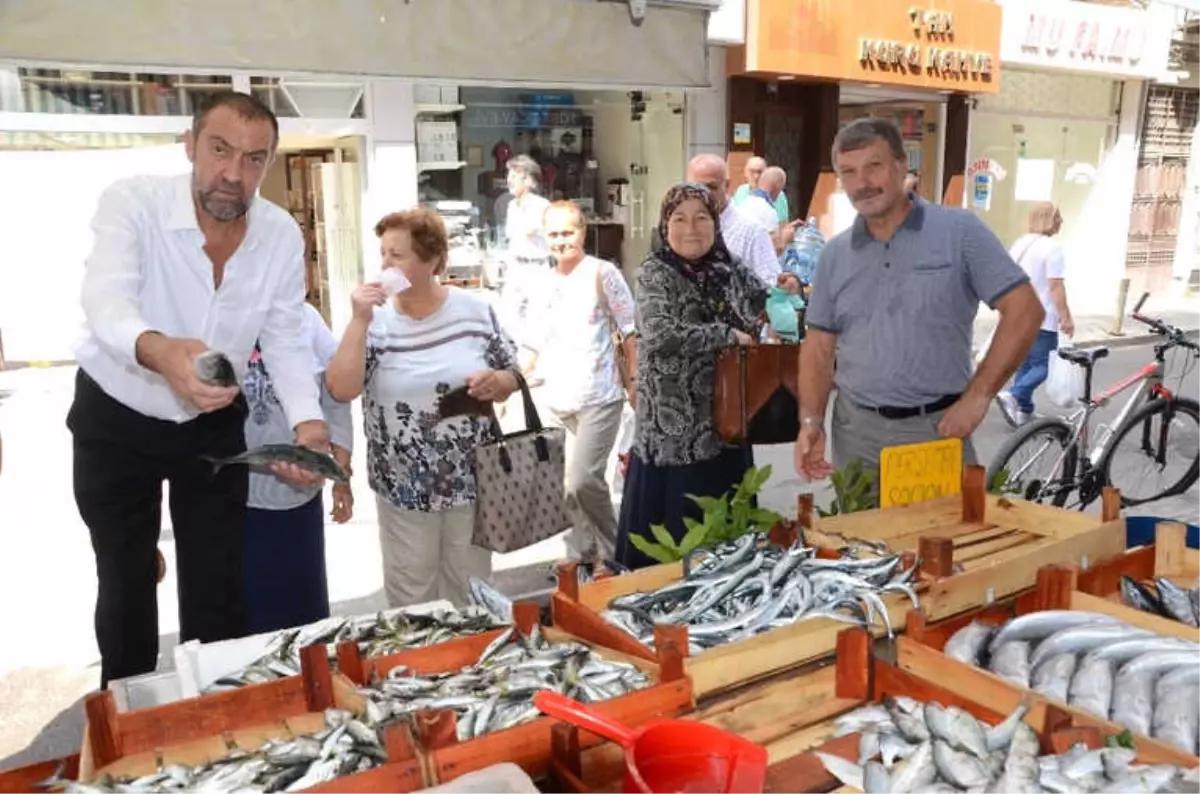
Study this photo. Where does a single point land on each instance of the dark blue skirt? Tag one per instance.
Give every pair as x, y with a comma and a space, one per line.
658, 495
284, 567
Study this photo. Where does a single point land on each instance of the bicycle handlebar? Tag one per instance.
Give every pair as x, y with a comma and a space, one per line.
1175, 335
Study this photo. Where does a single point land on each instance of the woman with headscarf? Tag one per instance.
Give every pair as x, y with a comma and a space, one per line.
694, 299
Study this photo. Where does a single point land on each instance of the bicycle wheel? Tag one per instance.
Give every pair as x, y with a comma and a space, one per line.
1037, 463
1170, 426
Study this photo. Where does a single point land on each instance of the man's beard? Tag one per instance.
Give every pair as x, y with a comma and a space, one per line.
222, 207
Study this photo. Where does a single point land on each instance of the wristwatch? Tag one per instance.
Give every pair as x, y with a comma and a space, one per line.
813, 421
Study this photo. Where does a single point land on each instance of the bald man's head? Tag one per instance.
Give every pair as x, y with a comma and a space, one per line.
710, 170
773, 180
754, 170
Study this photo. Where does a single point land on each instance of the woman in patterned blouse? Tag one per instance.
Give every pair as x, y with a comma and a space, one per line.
402, 354
693, 300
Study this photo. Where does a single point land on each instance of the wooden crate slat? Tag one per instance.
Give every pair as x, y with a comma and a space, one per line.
449, 655
1134, 617
23, 778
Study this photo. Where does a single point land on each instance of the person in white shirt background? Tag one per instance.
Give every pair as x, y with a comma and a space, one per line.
1041, 257
583, 302
528, 253
284, 548
179, 265
745, 240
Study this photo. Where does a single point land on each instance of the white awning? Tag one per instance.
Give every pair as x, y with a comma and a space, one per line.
550, 42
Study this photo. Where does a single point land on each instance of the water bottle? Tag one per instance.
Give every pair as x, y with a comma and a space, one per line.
806, 248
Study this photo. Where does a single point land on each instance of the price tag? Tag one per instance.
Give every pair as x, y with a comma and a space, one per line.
917, 472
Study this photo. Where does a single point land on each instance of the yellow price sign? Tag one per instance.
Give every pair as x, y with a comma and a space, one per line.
917, 472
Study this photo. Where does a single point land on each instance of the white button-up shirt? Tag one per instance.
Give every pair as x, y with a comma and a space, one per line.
750, 243
148, 272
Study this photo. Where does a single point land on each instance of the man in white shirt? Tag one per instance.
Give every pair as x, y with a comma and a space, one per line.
180, 265
744, 239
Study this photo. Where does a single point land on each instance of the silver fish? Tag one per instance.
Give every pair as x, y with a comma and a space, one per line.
1175, 718
850, 774
491, 599
1124, 650
968, 643
1091, 688
1011, 661
875, 779
892, 747
1000, 736
1081, 639
916, 772
1053, 677
959, 768
309, 460
1176, 600
1133, 701
1038, 625
956, 728
215, 369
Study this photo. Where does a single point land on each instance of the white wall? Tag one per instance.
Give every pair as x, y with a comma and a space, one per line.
390, 159
706, 129
45, 236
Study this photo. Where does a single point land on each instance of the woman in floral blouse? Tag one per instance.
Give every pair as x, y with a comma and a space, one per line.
693, 300
403, 354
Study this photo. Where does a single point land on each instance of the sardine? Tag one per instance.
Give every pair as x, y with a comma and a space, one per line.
491, 599
215, 369
309, 460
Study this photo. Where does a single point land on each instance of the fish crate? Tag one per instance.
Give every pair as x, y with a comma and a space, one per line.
529, 744
33, 777
208, 728
1169, 558
576, 609
976, 547
797, 714
921, 651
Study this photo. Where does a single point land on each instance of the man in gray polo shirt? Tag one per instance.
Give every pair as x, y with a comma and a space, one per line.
895, 296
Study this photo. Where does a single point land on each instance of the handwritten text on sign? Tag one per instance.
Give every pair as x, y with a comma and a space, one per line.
916, 472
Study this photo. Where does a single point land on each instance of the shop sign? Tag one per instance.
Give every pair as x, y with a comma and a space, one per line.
937, 56
918, 472
1085, 37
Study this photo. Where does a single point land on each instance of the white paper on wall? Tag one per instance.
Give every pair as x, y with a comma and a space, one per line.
1035, 179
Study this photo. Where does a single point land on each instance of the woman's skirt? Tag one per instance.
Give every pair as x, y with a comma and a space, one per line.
658, 495
284, 567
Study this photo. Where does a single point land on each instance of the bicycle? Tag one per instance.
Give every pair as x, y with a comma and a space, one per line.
1150, 412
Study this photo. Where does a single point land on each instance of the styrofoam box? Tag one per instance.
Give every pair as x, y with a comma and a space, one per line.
199, 665
506, 778
146, 691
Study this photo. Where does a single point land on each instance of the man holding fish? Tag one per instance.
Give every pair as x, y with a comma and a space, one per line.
181, 265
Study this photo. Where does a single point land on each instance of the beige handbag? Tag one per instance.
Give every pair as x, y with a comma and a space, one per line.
519, 483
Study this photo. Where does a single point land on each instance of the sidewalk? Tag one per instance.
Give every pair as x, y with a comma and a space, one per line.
1092, 330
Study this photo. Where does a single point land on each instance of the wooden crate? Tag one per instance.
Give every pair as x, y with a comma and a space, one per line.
206, 728
976, 548
1099, 585
972, 549
816, 699
26, 778
920, 651
527, 745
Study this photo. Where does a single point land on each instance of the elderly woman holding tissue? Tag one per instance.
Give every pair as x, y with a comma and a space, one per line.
411, 341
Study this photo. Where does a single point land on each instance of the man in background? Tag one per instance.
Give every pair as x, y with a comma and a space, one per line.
528, 252
746, 240
760, 208
912, 181
755, 168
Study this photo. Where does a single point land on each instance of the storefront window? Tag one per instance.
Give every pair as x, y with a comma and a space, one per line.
70, 91
1017, 161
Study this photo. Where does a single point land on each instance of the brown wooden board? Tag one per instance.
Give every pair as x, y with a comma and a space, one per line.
1169, 556
920, 651
206, 728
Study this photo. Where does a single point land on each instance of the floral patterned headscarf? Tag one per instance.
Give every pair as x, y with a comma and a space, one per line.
711, 273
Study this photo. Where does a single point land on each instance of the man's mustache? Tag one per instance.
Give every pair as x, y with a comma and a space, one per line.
867, 193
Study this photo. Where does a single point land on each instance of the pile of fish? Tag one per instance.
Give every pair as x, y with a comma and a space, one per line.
1143, 681
388, 632
345, 746
746, 587
1167, 599
497, 691
908, 746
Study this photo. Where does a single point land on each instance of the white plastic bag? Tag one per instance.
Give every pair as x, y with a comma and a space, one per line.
1064, 384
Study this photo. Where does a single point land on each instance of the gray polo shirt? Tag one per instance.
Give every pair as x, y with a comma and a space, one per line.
904, 309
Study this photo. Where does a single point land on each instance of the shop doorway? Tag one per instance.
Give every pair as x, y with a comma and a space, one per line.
318, 181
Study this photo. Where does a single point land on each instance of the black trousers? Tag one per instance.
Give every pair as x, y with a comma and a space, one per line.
121, 458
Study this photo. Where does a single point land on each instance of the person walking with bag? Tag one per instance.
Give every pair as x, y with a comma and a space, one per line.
1041, 257
582, 357
403, 354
